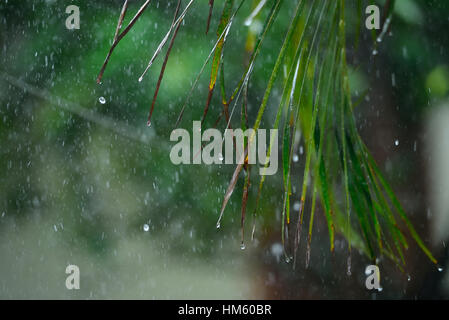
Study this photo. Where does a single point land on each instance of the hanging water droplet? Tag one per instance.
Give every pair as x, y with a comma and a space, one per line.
146, 227
396, 142
218, 225
102, 100
409, 278
375, 52
242, 246
295, 158
220, 157
148, 123
140, 79
380, 289
287, 259
440, 269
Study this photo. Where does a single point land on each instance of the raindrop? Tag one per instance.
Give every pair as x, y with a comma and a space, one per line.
102, 100
440, 269
308, 256
367, 272
276, 250
295, 158
296, 206
380, 289
218, 225
242, 246
146, 227
220, 157
409, 278
348, 269
375, 52
396, 142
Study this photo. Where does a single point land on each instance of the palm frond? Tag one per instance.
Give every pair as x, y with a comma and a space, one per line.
315, 104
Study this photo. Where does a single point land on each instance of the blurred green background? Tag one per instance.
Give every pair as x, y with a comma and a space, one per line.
79, 179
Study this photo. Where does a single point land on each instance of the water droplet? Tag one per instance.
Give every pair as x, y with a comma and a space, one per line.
296, 206
218, 225
349, 266
242, 246
295, 158
367, 272
396, 142
440, 269
287, 259
308, 256
146, 227
220, 157
380, 289
148, 123
102, 100
140, 79
277, 250
409, 278
375, 52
